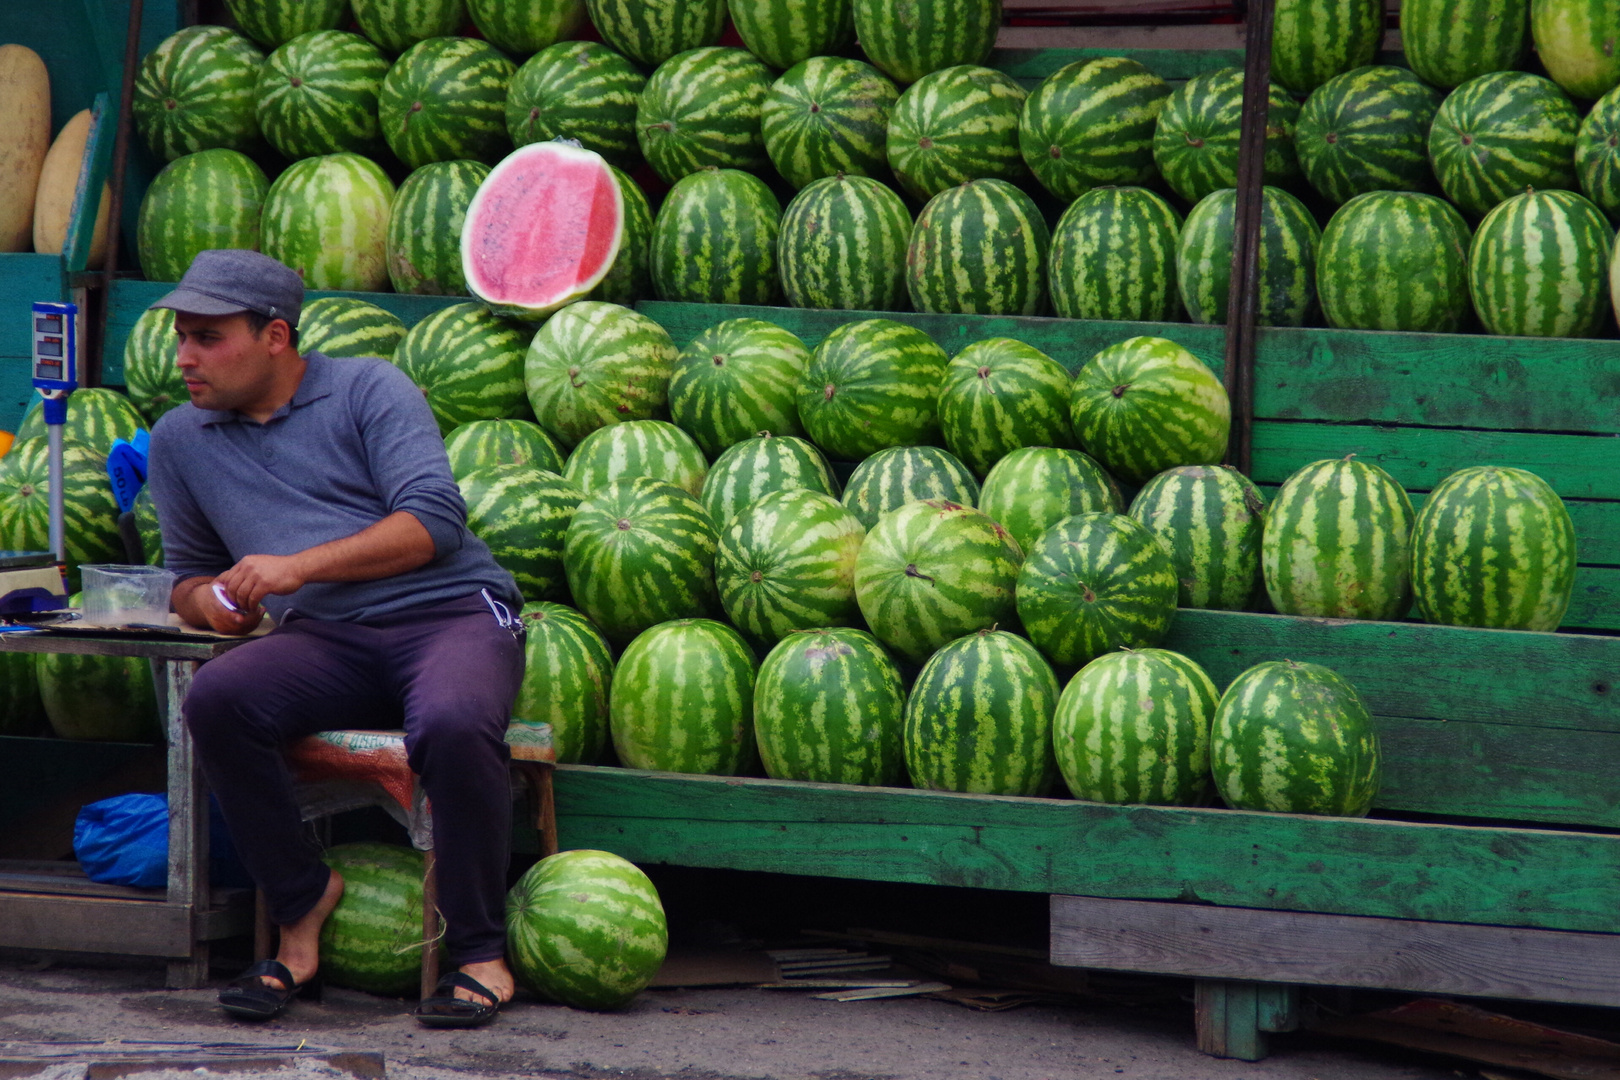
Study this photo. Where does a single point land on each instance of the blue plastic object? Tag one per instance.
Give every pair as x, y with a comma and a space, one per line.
124, 840
126, 468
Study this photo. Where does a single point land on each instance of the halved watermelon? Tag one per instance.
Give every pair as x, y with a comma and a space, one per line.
542, 230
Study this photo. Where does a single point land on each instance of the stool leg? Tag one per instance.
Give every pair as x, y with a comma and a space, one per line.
263, 932
546, 812
430, 926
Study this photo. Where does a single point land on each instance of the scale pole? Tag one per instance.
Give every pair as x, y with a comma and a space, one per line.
58, 541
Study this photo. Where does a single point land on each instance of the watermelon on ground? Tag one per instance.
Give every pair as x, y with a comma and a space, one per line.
195, 92
396, 25
1034, 488
210, 199
786, 32
1195, 145
372, 941
714, 240
1499, 134
1367, 130
97, 698
480, 443
955, 125
1395, 260
979, 249
1114, 257
272, 23
829, 708
1579, 42
842, 244
567, 677
445, 100
999, 395
683, 700
901, 474
750, 469
1209, 518
651, 31
1146, 405
1538, 266
523, 27
423, 243
594, 364
342, 326
653, 448
871, 385
909, 41
577, 90
151, 374
317, 94
1314, 40
1091, 124
1597, 154
522, 514
327, 218
828, 116
1448, 42
468, 363
96, 416
1289, 237
701, 109
787, 563
736, 380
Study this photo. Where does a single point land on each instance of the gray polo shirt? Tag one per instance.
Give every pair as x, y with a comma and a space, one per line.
356, 443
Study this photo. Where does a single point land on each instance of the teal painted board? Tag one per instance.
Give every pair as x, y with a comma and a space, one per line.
24, 278
1595, 603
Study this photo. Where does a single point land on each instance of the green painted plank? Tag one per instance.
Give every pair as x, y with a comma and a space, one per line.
1473, 874
1596, 603
1030, 66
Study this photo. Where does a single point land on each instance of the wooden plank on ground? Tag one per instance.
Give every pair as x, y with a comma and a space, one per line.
84, 924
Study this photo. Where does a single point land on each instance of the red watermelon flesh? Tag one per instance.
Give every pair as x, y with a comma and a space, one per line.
542, 231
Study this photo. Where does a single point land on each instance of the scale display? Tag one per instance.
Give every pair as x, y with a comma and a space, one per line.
55, 346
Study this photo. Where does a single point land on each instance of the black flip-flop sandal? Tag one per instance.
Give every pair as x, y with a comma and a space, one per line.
445, 1010
248, 997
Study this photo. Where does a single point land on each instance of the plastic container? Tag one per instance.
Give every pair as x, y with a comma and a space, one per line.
126, 595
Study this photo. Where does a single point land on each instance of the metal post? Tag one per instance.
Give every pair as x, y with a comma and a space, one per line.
58, 541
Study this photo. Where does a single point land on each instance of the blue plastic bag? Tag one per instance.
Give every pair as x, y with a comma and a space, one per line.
125, 841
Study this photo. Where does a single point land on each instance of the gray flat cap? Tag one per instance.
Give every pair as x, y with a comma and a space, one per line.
226, 281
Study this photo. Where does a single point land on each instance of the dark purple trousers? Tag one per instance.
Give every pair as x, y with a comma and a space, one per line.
447, 674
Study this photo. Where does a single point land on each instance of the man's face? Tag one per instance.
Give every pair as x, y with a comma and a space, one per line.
225, 365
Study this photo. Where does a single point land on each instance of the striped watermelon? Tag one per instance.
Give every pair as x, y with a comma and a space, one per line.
630, 277
468, 364
522, 514
1597, 154
683, 700
755, 467
1367, 130
901, 474
1146, 405
273, 23
1315, 40
524, 27
585, 928
482, 443
955, 125
979, 249
828, 116
95, 417
1114, 257
652, 448
979, 718
1133, 727
1495, 547
577, 90
735, 380
593, 364
1034, 488
829, 708
910, 40
146, 526
1538, 266
640, 552
701, 109
372, 941
1195, 145
651, 31
871, 385
842, 244
317, 94
1500, 134
195, 92
1209, 519
90, 514
151, 376
1289, 237
423, 242
1295, 738
1091, 123
1448, 42
445, 99
23, 713
1335, 543
714, 241
1000, 394
932, 571
343, 326
1395, 260
96, 698
327, 218
785, 32
786, 563
210, 199
396, 25
1579, 42
567, 676
1094, 583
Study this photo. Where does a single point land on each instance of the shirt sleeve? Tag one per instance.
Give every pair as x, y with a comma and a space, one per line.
191, 547
405, 453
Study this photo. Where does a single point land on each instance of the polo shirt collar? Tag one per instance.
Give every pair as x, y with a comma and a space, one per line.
316, 384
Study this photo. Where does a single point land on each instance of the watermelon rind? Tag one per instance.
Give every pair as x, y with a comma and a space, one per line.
1367, 130
521, 513
395, 25
1035, 487
1597, 154
1289, 238
1538, 264
701, 109
1579, 43
1146, 405
327, 218
23, 713
1448, 42
341, 326
372, 941
1114, 257
828, 116
567, 678
955, 125
1499, 134
423, 244
445, 100
979, 249
577, 90
95, 698
594, 364
210, 199
630, 277
750, 469
651, 31
1195, 144
829, 708
523, 27
785, 32
901, 474
96, 416
195, 92
1314, 40
842, 244
871, 385
1210, 519
273, 23
654, 448
1395, 260
151, 375
714, 240
1090, 124
910, 41
481, 443
787, 563
90, 514
317, 94
683, 700
735, 380
468, 363
1000, 394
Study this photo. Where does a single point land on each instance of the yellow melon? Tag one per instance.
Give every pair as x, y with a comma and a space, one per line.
25, 136
53, 203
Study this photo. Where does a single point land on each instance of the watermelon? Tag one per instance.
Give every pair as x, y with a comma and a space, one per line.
586, 929
683, 700
147, 528
317, 94
1448, 42
327, 218
396, 25
1195, 145
843, 244
1494, 547
1289, 237
871, 385
1146, 405
932, 571
372, 941
979, 249
482, 443
1367, 130
1094, 583
787, 562
195, 92
1114, 257
829, 708
1000, 394
1209, 519
785, 32
95, 417
423, 242
1597, 154
210, 199
701, 109
910, 40
1133, 727
901, 474
1335, 543
749, 470
445, 99
273, 23
630, 277
828, 116
735, 380
1294, 738
97, 698
577, 90
468, 363
714, 241
342, 326
1499, 134
955, 125
567, 676
1395, 260
651, 31
522, 514
640, 552
524, 27
542, 231
653, 448
979, 718
1090, 124
594, 364
151, 375
1579, 42
1538, 266
23, 713
1034, 488
1314, 40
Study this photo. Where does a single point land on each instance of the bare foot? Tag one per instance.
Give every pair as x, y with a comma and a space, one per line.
491, 973
301, 940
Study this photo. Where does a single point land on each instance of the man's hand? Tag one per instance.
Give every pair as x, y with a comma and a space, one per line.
195, 602
258, 576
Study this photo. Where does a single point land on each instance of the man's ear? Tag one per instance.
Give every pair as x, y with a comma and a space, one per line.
278, 335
